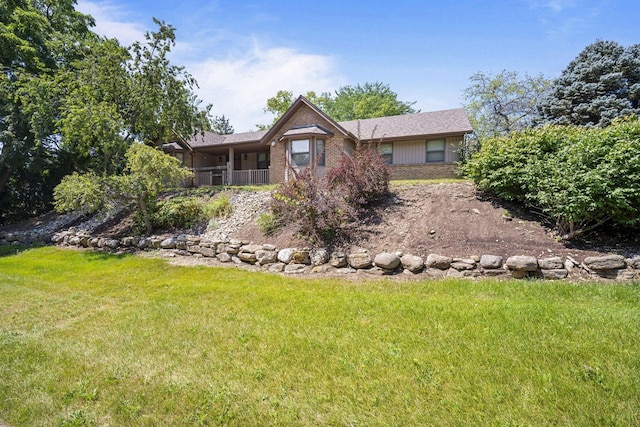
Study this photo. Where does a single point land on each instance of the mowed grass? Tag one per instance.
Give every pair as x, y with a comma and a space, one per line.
93, 339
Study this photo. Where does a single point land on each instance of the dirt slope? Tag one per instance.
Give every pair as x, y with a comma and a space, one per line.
452, 219
447, 219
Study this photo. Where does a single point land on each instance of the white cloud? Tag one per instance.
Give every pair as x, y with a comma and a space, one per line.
241, 76
565, 18
239, 87
110, 21
553, 6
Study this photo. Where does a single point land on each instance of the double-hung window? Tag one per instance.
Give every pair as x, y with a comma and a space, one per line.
435, 150
300, 153
305, 151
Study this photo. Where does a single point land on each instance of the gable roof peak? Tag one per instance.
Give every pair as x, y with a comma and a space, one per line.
301, 100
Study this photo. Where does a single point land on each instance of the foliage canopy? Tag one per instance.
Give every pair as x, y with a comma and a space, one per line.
72, 101
579, 177
600, 84
347, 103
148, 171
503, 103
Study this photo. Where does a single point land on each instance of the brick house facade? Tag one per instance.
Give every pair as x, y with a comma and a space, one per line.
416, 146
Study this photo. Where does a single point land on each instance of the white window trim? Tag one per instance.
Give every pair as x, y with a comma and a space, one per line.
313, 151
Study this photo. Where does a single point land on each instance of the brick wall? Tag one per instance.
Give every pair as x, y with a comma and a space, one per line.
304, 116
278, 163
424, 171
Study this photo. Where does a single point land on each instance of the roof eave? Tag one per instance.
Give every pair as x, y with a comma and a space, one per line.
292, 109
419, 136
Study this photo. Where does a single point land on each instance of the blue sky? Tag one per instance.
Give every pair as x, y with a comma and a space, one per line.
243, 52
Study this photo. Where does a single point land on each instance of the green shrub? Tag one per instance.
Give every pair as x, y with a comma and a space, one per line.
579, 177
268, 223
178, 212
219, 207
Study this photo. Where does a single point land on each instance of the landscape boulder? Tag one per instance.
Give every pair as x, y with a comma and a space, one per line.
286, 255
111, 243
553, 263
168, 243
319, 256
555, 274
413, 263
249, 257
491, 262
387, 261
295, 268
208, 252
522, 263
223, 257
439, 261
607, 262
276, 268
360, 260
338, 259
463, 264
266, 257
301, 257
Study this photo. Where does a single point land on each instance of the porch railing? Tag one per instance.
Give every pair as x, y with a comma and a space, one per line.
209, 176
220, 176
247, 177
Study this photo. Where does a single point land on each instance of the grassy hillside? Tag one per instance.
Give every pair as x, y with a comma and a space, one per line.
94, 339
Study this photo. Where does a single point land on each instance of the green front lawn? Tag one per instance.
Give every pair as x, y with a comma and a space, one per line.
93, 339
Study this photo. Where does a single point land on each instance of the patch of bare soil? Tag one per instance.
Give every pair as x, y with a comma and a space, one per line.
453, 219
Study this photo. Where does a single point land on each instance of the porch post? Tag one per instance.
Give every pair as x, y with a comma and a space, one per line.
230, 166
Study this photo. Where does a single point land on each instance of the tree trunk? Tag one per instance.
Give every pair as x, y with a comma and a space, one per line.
4, 177
145, 214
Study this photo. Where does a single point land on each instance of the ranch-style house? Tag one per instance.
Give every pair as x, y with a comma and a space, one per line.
416, 146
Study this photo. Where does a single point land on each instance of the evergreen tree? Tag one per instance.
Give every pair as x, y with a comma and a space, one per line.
221, 126
602, 83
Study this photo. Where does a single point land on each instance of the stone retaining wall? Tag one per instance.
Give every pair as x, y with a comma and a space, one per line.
306, 260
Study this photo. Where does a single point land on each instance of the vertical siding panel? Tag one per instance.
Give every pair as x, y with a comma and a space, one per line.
451, 150
409, 152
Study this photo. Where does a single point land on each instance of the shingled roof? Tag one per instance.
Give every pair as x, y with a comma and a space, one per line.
432, 123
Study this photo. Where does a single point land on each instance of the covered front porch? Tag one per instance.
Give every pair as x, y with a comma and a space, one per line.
246, 164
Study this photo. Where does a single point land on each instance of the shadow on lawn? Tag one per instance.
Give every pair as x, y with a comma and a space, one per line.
103, 255
8, 250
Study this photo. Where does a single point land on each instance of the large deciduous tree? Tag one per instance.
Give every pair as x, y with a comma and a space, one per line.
364, 102
70, 100
38, 39
118, 96
347, 103
280, 103
601, 83
505, 102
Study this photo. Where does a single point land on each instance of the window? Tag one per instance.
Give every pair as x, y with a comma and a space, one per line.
300, 155
386, 152
435, 150
320, 152
179, 156
263, 160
